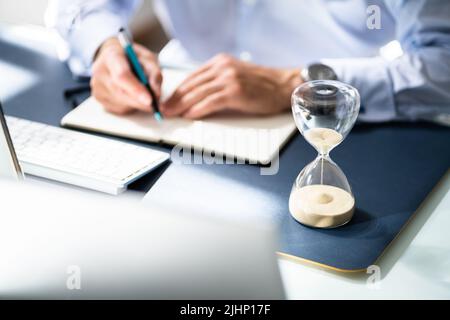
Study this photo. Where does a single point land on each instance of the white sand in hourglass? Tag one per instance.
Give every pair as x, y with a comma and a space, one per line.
321, 206
323, 139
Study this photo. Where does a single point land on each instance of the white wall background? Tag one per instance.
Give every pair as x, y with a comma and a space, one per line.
22, 11
32, 12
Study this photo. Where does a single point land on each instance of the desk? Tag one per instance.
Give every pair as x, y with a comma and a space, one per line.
412, 269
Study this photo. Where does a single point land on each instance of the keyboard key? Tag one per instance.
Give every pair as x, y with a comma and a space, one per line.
79, 153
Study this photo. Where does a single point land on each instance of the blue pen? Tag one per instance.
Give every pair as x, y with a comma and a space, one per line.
138, 71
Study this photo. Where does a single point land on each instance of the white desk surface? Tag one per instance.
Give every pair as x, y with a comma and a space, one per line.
415, 266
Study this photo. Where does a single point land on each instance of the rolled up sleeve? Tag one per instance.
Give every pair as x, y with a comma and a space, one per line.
416, 85
372, 79
84, 25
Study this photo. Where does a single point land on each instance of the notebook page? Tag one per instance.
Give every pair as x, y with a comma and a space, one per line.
256, 139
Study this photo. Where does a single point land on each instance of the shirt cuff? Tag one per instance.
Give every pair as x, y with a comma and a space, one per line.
86, 37
371, 77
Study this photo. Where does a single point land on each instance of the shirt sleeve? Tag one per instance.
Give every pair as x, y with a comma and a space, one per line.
84, 24
414, 86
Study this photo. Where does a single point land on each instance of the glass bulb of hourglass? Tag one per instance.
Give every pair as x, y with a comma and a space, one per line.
324, 112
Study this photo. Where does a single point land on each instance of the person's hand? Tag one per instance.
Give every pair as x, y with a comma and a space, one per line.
113, 83
226, 83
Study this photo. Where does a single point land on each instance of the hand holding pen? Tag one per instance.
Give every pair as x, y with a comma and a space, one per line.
115, 84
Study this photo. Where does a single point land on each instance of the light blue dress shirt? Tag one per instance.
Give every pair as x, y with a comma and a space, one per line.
288, 33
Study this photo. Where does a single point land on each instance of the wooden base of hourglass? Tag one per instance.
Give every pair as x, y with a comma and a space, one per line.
321, 205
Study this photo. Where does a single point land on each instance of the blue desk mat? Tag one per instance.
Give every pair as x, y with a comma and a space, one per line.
391, 168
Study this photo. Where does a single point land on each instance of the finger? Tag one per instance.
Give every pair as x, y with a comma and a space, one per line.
174, 101
206, 66
217, 59
154, 73
192, 82
108, 90
205, 73
219, 62
150, 63
208, 106
192, 98
122, 77
101, 94
142, 51
115, 108
121, 97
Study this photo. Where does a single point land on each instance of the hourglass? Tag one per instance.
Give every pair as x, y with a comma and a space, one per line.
324, 112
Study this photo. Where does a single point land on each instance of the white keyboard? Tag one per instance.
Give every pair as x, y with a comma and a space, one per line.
78, 158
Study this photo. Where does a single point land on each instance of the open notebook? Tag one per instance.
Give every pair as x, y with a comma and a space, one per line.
255, 139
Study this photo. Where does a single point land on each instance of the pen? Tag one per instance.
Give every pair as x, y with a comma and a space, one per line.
138, 71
